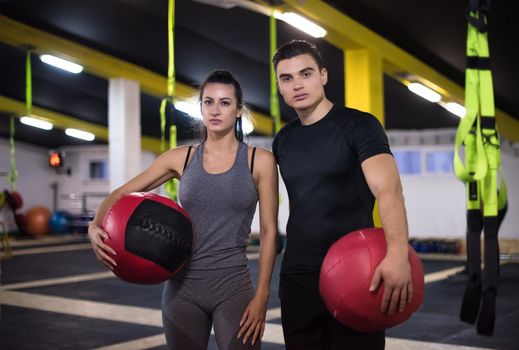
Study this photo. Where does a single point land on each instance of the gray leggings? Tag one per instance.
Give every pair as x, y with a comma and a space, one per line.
191, 305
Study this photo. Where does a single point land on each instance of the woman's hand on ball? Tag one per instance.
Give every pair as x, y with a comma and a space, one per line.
102, 251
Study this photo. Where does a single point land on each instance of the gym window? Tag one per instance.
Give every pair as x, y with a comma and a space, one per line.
439, 162
98, 170
408, 162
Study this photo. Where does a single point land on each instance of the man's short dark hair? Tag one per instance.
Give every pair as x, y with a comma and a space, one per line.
295, 48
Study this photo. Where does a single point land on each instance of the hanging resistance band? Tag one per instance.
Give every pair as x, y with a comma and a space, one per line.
486, 205
274, 105
274, 100
170, 186
13, 173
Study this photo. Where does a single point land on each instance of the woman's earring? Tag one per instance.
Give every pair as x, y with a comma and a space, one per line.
238, 130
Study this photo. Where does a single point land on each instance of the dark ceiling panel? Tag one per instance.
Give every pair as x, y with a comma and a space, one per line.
209, 37
436, 33
206, 38
83, 96
150, 119
109, 26
14, 59
236, 29
403, 108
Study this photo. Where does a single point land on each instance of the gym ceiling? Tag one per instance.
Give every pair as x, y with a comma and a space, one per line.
128, 38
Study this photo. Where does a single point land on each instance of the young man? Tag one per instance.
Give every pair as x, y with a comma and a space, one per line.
335, 162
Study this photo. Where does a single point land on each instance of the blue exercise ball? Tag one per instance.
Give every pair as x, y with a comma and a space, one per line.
60, 222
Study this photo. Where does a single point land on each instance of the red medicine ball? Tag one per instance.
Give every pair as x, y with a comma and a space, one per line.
152, 236
346, 275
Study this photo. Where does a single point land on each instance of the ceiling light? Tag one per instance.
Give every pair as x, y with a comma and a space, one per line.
247, 126
80, 134
455, 108
189, 108
226, 4
424, 92
37, 123
301, 23
61, 63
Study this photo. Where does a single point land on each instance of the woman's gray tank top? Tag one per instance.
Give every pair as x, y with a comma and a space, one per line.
221, 207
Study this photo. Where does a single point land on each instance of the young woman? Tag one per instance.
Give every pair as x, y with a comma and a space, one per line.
221, 181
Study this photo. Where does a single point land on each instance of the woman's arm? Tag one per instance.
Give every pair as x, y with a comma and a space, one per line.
268, 210
253, 319
168, 165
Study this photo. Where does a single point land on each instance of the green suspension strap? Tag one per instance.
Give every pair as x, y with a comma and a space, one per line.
274, 100
13, 173
170, 186
274, 104
171, 74
486, 205
28, 84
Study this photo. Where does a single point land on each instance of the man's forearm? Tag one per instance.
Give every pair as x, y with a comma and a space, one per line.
394, 220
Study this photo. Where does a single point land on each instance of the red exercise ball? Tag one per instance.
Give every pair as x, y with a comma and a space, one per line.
152, 236
17, 200
2, 199
346, 275
21, 221
13, 200
37, 221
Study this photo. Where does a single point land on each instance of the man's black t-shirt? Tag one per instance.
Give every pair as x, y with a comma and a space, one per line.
328, 194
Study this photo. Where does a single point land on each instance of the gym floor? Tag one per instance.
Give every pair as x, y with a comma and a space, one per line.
56, 295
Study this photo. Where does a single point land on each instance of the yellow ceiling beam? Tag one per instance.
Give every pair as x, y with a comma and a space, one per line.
508, 126
347, 34
102, 65
63, 121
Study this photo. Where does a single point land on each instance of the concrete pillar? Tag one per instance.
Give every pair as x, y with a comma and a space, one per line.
124, 131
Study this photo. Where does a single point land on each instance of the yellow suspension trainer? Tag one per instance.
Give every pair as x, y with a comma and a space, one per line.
477, 135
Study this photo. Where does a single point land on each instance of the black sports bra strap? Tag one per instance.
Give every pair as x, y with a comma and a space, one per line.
252, 160
187, 157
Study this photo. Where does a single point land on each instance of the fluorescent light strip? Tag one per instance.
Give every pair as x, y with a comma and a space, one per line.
189, 108
455, 108
302, 24
424, 92
247, 126
80, 134
61, 63
184, 106
37, 123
